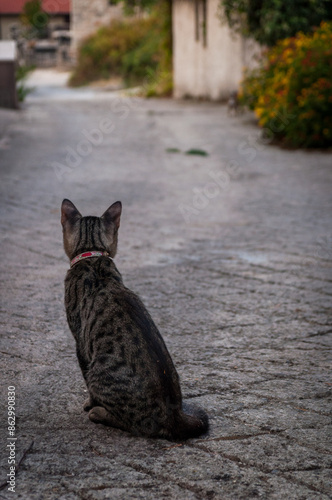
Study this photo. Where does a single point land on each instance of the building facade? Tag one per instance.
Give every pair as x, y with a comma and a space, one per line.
10, 12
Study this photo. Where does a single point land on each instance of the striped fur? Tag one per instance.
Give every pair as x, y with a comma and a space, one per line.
132, 382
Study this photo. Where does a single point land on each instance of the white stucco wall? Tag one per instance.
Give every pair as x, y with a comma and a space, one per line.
210, 71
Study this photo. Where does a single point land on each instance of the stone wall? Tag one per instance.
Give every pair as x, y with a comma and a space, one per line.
208, 59
88, 16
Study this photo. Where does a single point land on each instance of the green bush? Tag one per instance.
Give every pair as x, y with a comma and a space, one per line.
136, 49
291, 92
22, 72
269, 21
35, 18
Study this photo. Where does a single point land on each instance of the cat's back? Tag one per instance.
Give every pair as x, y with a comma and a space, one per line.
113, 315
88, 279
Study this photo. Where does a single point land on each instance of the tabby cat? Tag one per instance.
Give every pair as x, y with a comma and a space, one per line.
132, 382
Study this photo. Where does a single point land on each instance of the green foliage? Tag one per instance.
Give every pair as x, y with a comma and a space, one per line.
21, 87
35, 18
102, 54
136, 49
291, 92
271, 20
131, 5
160, 81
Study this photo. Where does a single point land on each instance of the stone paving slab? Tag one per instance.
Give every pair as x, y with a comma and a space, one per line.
232, 255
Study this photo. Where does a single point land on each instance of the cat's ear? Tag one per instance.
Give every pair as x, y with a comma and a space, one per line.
69, 212
113, 214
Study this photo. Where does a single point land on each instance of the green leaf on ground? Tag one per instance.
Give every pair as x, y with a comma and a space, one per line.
199, 152
173, 150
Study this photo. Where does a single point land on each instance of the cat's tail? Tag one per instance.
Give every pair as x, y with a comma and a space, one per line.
190, 422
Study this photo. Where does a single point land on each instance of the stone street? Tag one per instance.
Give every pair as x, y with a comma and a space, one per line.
231, 253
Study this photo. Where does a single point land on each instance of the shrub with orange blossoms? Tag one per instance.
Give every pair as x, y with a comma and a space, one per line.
291, 91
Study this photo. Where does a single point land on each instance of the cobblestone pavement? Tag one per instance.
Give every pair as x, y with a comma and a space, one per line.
231, 252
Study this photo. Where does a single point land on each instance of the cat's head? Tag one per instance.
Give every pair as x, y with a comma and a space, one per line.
83, 234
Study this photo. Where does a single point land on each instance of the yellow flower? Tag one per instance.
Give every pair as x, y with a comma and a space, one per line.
259, 112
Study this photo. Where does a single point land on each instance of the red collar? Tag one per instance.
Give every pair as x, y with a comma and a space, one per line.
86, 255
